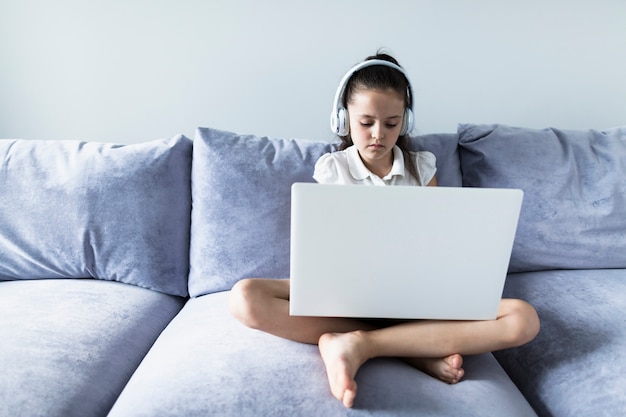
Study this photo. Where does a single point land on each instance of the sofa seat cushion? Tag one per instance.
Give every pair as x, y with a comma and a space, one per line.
71, 209
70, 346
207, 363
574, 210
575, 366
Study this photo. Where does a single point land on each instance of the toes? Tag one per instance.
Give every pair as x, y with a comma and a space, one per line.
452, 375
456, 376
348, 398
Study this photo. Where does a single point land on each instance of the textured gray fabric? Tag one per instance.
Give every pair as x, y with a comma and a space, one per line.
72, 209
576, 366
241, 190
574, 210
208, 364
69, 346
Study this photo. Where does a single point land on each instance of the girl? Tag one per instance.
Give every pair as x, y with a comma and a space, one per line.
373, 117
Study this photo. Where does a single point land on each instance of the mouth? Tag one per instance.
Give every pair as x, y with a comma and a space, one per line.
376, 146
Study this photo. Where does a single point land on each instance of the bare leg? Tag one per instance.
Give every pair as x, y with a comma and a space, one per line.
345, 344
344, 353
263, 304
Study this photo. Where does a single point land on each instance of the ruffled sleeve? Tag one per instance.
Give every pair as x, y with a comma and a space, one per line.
426, 164
326, 171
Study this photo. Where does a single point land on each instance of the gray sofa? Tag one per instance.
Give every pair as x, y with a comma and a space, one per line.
116, 262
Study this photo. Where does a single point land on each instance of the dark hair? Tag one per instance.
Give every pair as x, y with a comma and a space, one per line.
379, 77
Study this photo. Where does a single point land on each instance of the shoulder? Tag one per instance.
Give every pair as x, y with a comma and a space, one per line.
329, 167
426, 164
424, 157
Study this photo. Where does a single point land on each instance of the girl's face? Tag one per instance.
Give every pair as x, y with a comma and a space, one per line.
375, 118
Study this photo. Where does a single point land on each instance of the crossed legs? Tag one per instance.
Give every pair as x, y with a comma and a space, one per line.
433, 346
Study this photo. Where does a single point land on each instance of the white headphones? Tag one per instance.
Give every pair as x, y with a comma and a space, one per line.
339, 123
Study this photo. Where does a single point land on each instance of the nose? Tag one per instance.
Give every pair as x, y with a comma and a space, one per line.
377, 131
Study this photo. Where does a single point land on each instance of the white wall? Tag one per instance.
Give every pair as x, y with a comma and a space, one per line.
134, 70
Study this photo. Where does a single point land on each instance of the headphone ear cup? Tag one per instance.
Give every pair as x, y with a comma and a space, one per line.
342, 122
339, 122
407, 122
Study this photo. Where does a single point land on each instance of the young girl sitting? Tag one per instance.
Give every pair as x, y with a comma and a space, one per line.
373, 117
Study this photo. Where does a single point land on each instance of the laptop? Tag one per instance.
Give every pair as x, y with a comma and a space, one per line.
400, 252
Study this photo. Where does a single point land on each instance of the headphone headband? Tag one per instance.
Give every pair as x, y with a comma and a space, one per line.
339, 116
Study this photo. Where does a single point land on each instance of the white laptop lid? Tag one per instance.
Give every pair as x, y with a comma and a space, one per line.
400, 252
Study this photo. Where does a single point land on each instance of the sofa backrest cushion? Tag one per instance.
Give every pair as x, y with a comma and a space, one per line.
574, 182
72, 209
241, 192
241, 205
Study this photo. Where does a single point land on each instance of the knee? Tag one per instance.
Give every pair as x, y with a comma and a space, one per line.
523, 323
243, 302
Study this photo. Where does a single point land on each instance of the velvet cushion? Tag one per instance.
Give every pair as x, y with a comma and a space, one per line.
241, 190
72, 209
575, 366
574, 210
206, 363
69, 346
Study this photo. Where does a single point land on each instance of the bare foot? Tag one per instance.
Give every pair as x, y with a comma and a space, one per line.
343, 357
448, 369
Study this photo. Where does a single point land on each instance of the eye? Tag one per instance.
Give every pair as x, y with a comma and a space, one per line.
366, 124
391, 125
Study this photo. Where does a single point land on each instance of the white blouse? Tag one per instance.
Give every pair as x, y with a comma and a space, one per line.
346, 167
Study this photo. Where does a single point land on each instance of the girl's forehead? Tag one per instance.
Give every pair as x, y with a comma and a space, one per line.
389, 100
